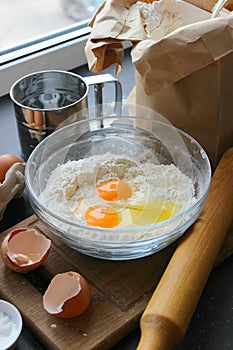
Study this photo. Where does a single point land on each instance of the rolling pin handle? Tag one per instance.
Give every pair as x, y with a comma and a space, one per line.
158, 333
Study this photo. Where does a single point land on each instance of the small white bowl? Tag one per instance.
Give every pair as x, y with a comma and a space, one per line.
10, 325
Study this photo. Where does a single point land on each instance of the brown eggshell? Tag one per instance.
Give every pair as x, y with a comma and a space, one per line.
67, 296
24, 249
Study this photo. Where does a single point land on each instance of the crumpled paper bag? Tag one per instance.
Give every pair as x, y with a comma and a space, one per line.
113, 24
187, 76
117, 21
12, 187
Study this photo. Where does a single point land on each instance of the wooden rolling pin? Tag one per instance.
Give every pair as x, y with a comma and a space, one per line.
166, 318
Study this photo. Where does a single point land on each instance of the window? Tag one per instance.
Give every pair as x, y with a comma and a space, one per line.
45, 34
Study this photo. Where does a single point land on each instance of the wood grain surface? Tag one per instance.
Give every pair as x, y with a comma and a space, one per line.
120, 293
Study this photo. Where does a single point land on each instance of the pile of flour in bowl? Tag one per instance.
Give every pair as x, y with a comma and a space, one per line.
70, 182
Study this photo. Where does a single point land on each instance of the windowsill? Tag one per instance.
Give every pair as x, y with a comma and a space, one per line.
64, 56
52, 37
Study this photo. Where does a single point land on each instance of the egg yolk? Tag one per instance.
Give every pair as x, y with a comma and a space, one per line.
102, 216
113, 190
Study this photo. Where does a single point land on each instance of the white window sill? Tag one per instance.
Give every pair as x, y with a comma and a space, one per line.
67, 55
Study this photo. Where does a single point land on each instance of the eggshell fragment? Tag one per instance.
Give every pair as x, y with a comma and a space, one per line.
67, 296
25, 249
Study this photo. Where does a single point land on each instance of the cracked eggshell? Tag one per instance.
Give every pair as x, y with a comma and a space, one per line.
24, 249
68, 295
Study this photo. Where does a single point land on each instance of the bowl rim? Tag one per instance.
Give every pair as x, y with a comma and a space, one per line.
101, 230
14, 313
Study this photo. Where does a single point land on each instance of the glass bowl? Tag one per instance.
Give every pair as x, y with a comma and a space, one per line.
139, 139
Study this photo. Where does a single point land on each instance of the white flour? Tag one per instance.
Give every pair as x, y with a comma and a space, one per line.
158, 18
77, 179
7, 330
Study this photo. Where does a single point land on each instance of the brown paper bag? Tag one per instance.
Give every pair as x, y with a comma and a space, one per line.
209, 4
187, 76
200, 104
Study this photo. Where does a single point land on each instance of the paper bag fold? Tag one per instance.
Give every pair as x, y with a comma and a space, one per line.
183, 52
187, 76
114, 23
161, 63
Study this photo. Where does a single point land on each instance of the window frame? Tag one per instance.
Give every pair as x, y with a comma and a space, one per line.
58, 50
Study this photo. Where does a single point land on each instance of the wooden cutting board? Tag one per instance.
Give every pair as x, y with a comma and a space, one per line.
120, 293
